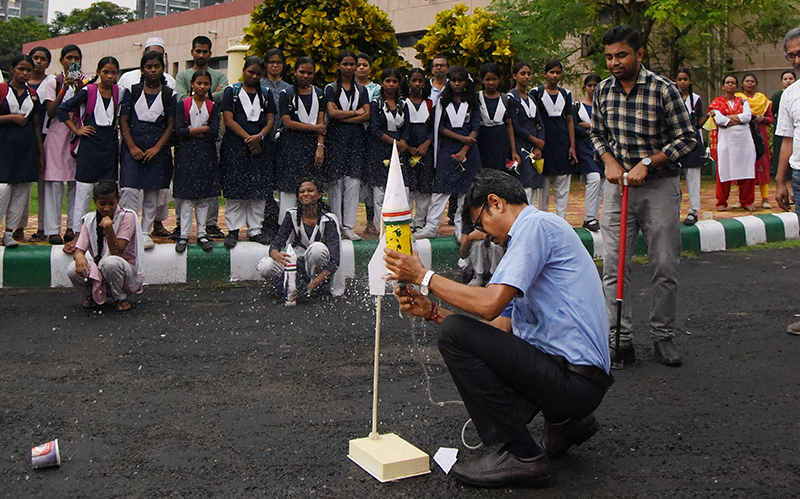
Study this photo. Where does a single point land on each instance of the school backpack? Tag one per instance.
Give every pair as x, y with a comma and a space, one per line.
187, 106
91, 102
4, 92
166, 95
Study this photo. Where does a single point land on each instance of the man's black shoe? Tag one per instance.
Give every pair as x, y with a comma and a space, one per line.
558, 438
626, 353
175, 235
503, 469
666, 353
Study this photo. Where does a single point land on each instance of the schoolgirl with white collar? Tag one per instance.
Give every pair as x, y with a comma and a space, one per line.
416, 89
529, 135
301, 148
21, 144
496, 138
196, 182
147, 120
457, 122
560, 158
347, 105
248, 110
59, 164
94, 125
388, 123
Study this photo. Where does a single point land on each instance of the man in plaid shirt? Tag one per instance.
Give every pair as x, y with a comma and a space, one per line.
640, 126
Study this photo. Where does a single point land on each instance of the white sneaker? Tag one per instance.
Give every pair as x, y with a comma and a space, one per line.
148, 243
9, 241
424, 233
792, 329
350, 234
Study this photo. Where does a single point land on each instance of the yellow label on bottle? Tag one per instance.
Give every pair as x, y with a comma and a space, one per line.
398, 238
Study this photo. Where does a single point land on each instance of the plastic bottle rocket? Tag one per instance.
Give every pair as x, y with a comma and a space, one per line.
396, 213
290, 278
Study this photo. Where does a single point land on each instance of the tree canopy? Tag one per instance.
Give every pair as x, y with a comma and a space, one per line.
98, 15
14, 33
320, 29
467, 40
674, 32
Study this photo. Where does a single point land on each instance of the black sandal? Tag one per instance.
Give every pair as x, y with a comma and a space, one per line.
180, 246
205, 243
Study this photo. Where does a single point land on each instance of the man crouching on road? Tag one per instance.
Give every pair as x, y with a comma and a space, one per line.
547, 292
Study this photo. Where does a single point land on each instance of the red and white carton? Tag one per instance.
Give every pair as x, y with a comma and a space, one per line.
46, 455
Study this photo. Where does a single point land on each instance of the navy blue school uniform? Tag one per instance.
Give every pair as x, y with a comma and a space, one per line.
148, 119
583, 143
420, 129
378, 150
344, 142
296, 149
493, 141
450, 177
19, 160
196, 164
246, 176
98, 154
696, 158
554, 110
526, 121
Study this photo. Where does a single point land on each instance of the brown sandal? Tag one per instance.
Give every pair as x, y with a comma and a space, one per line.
123, 306
90, 304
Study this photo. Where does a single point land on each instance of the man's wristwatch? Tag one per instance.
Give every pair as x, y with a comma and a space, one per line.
423, 287
647, 162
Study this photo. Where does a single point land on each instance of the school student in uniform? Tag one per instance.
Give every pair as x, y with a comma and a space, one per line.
419, 153
388, 123
147, 120
37, 80
248, 110
555, 104
59, 164
496, 138
456, 125
113, 238
196, 181
692, 163
301, 147
347, 103
529, 134
20, 142
95, 128
588, 166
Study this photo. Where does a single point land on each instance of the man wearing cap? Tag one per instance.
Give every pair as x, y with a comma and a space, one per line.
128, 80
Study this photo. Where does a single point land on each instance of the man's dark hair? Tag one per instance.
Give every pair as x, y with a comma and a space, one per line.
201, 40
625, 34
489, 181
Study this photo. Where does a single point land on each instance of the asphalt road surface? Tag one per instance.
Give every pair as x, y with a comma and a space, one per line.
221, 391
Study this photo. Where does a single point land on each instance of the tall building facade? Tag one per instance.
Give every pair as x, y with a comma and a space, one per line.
147, 9
10, 9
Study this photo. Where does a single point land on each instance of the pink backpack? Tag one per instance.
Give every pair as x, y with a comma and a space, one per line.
91, 102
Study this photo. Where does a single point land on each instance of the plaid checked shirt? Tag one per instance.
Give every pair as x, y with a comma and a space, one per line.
651, 118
